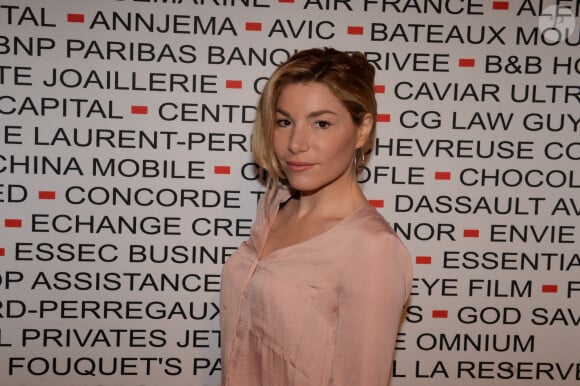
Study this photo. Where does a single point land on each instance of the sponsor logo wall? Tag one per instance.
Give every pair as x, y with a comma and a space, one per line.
126, 180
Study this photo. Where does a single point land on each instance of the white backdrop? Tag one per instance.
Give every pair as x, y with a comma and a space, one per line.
126, 180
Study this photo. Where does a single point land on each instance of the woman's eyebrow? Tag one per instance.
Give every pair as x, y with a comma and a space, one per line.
313, 114
318, 113
279, 110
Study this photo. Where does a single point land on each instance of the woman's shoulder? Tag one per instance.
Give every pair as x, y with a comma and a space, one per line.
374, 233
367, 221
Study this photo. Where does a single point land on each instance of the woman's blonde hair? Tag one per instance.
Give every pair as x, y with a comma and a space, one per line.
349, 76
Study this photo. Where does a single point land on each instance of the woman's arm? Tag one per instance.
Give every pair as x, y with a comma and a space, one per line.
375, 287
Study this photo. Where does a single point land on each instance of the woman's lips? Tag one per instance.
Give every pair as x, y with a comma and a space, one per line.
299, 166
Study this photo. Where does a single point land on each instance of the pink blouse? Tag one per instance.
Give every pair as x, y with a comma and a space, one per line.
325, 311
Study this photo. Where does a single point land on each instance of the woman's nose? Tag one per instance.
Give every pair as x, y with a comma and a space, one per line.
298, 140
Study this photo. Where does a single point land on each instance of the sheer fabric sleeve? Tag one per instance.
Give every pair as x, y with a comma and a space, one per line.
374, 289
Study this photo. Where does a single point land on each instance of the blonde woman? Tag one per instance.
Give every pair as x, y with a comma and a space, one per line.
315, 296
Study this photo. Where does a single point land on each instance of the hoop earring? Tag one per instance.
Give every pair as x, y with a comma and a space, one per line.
359, 164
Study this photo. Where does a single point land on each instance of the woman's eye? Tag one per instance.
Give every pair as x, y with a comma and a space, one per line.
322, 124
282, 122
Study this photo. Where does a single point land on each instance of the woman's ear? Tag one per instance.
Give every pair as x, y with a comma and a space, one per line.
364, 130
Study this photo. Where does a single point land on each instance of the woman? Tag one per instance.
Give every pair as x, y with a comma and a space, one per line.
315, 296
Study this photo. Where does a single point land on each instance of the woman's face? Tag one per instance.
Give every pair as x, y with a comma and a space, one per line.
315, 138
